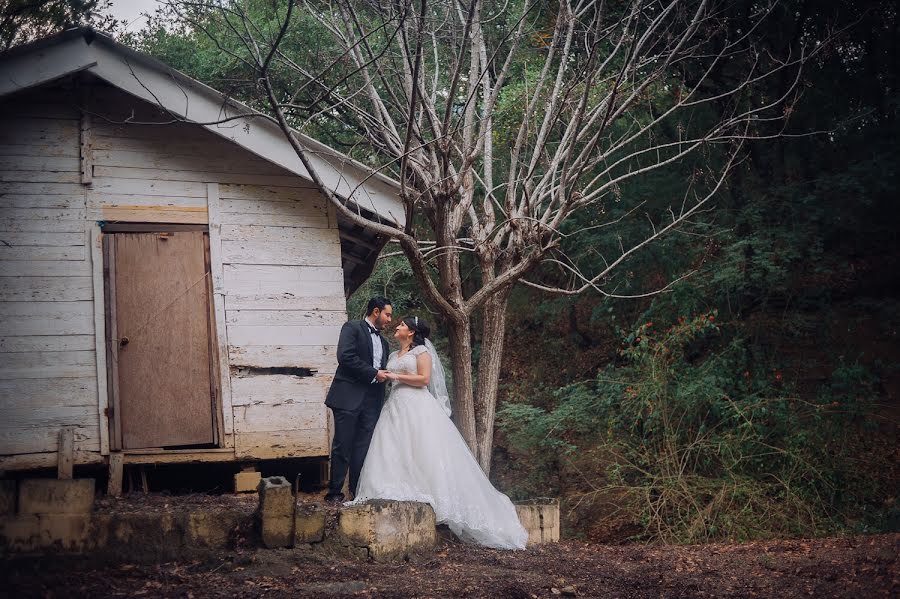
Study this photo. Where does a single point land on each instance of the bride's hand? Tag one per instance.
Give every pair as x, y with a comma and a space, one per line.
392, 375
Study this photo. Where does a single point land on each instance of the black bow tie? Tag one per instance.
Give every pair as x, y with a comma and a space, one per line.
373, 330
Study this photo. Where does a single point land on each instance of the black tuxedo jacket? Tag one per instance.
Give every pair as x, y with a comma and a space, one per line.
354, 374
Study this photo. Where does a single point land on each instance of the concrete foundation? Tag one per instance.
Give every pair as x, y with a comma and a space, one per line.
378, 530
387, 530
7, 498
54, 496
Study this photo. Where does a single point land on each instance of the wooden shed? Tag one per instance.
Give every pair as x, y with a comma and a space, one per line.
172, 285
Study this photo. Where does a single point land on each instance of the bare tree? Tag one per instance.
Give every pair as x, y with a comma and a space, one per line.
420, 84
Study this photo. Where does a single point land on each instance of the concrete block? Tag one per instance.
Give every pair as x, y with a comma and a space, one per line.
247, 482
7, 498
388, 529
540, 517
309, 526
53, 496
276, 512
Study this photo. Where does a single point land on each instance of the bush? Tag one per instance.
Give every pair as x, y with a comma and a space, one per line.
695, 439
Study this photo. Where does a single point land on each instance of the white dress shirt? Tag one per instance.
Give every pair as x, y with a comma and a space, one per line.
377, 350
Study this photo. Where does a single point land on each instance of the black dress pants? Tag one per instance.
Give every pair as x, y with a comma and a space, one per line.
352, 435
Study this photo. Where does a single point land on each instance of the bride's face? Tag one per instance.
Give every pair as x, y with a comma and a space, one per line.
403, 333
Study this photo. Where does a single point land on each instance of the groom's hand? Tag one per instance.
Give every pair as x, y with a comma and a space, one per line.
382, 376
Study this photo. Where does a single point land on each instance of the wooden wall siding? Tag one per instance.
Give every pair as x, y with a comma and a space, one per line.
284, 306
281, 272
48, 376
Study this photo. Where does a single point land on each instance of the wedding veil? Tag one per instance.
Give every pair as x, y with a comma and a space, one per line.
438, 385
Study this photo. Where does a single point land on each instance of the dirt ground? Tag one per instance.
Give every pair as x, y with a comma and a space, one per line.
854, 567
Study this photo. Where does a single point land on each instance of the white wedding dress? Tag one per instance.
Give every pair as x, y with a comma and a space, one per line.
417, 454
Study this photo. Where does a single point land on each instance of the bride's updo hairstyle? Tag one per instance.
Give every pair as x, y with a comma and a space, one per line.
420, 329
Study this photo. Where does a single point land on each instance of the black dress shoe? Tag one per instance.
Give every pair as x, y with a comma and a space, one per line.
335, 499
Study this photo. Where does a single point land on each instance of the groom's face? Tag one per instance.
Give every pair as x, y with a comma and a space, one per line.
382, 318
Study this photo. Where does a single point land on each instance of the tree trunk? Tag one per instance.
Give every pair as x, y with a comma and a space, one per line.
493, 334
459, 335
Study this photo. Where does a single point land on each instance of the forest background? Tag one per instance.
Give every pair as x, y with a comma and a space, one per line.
758, 397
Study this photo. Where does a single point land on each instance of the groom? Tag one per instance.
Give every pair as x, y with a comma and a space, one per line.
356, 393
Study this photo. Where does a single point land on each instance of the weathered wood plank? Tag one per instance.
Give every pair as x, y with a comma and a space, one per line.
284, 302
296, 253
282, 444
152, 214
189, 140
149, 187
45, 289
33, 461
122, 172
42, 253
218, 299
271, 193
39, 188
157, 132
277, 233
300, 208
44, 268
46, 365
275, 417
39, 225
239, 274
282, 335
114, 481
102, 199
95, 237
287, 317
291, 280
65, 453
46, 318
24, 417
39, 147
38, 163
8, 176
321, 359
86, 141
44, 439
43, 343
61, 202
275, 389
41, 239
27, 131
49, 393
46, 108
178, 157
276, 220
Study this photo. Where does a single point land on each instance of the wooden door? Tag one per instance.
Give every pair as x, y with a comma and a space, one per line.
159, 316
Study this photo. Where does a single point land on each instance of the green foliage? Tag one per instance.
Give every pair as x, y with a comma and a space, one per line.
23, 21
392, 278
697, 440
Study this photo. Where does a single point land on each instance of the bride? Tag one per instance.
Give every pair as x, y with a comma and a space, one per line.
417, 454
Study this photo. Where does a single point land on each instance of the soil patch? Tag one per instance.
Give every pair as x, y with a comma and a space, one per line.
850, 567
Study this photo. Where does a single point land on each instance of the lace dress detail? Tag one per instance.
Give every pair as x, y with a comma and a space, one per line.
417, 454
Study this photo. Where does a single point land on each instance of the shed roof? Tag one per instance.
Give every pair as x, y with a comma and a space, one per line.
84, 50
